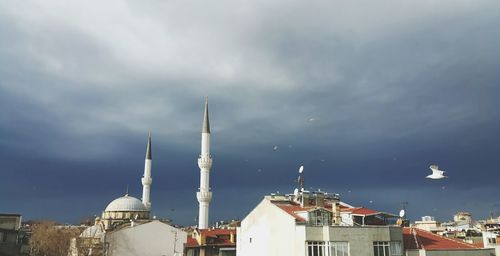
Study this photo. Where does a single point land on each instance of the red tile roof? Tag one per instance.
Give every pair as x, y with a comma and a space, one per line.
218, 238
191, 242
479, 244
414, 238
215, 232
360, 211
292, 208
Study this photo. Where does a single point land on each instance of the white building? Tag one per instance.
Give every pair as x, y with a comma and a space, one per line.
491, 235
428, 223
154, 238
316, 224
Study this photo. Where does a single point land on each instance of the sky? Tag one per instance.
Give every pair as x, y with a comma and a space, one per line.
366, 95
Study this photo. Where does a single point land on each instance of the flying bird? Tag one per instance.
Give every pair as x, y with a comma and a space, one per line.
436, 173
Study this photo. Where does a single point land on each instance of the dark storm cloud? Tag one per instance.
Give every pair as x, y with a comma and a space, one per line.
365, 95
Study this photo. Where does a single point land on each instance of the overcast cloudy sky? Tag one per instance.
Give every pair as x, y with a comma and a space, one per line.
365, 94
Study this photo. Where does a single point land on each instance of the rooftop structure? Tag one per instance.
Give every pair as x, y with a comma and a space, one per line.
316, 223
428, 223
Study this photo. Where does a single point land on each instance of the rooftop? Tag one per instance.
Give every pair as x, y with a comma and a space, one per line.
213, 237
414, 238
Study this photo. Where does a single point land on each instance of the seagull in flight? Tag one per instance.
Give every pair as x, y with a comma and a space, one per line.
436, 173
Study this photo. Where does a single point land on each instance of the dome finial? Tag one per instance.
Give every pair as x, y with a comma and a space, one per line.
126, 193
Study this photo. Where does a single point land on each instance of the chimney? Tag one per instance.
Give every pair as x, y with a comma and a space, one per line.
304, 199
336, 211
320, 198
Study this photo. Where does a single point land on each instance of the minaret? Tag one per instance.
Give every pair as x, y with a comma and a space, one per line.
204, 162
146, 179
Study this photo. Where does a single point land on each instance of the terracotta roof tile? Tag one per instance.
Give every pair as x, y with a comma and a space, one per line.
219, 238
414, 238
292, 208
360, 211
191, 242
215, 232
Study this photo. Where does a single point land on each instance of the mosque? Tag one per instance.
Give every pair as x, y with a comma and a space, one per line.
128, 218
128, 208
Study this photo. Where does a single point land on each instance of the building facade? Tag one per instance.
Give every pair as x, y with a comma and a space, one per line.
148, 239
10, 225
316, 224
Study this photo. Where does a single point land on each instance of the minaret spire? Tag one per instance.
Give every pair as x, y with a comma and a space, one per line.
148, 149
205, 163
206, 123
146, 179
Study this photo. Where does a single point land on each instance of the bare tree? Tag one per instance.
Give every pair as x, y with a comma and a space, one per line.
48, 239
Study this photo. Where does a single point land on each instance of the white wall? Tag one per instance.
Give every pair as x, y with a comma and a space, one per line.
346, 219
489, 234
267, 231
150, 239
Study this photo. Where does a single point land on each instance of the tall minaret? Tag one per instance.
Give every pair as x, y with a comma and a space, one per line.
204, 162
146, 179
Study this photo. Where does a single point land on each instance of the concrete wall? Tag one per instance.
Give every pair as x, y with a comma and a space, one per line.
151, 239
360, 239
267, 231
10, 222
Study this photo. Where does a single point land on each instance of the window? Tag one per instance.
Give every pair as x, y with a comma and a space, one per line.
396, 248
321, 248
381, 249
316, 248
492, 240
320, 218
339, 249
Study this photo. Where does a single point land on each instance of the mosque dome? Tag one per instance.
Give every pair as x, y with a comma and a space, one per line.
126, 204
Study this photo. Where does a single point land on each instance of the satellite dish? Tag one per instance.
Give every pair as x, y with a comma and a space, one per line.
301, 169
295, 191
402, 213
